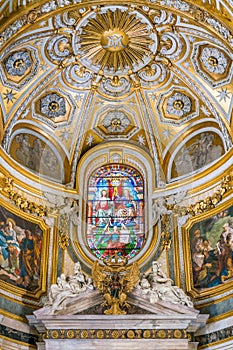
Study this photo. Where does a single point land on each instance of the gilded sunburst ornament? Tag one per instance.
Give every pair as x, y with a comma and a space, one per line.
115, 40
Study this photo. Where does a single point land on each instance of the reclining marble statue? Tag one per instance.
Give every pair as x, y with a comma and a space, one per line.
154, 287
67, 287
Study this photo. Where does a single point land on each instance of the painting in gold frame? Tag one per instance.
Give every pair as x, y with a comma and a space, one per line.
208, 252
23, 251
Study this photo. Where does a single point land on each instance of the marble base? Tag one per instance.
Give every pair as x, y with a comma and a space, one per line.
162, 326
97, 332
7, 344
118, 344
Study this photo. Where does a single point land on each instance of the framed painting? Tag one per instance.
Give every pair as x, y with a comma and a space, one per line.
23, 250
209, 243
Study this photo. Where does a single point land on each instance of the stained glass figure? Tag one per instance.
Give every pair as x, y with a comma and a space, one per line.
115, 215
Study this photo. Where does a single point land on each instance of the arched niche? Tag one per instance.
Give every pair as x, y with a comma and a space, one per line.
195, 153
37, 154
127, 162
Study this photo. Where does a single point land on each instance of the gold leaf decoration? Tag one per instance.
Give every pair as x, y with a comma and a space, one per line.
117, 40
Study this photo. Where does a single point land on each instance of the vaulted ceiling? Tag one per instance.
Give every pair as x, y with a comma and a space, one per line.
157, 75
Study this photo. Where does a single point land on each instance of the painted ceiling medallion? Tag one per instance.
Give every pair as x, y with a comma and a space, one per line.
115, 41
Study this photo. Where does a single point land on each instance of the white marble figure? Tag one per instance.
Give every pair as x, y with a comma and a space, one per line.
160, 205
156, 286
159, 208
64, 206
71, 209
67, 287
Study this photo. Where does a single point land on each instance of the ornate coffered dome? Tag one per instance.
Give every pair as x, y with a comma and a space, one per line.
75, 74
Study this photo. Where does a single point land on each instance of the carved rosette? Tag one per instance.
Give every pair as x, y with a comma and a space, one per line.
212, 63
19, 67
116, 122
178, 105
53, 105
214, 60
18, 63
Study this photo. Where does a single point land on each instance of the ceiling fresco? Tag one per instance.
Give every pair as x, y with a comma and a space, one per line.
76, 75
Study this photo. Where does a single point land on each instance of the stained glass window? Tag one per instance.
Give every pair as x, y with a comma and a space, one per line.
115, 214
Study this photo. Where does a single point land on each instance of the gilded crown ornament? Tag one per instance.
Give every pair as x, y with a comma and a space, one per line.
115, 281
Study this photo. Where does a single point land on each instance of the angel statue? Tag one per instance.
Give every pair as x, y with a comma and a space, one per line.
114, 281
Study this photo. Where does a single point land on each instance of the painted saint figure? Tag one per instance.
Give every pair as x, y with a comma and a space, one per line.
27, 267
103, 208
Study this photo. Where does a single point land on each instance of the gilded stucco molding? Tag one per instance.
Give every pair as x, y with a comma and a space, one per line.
166, 207
171, 204
222, 7
8, 189
64, 239
207, 203
116, 334
166, 233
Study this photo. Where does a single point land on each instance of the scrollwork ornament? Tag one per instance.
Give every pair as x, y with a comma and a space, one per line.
171, 45
64, 20
154, 74
59, 48
164, 17
198, 14
33, 15
78, 76
115, 86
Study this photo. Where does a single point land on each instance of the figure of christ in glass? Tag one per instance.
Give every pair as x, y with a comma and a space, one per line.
115, 220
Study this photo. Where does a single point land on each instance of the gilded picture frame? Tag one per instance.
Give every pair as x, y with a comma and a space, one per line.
207, 249
24, 241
